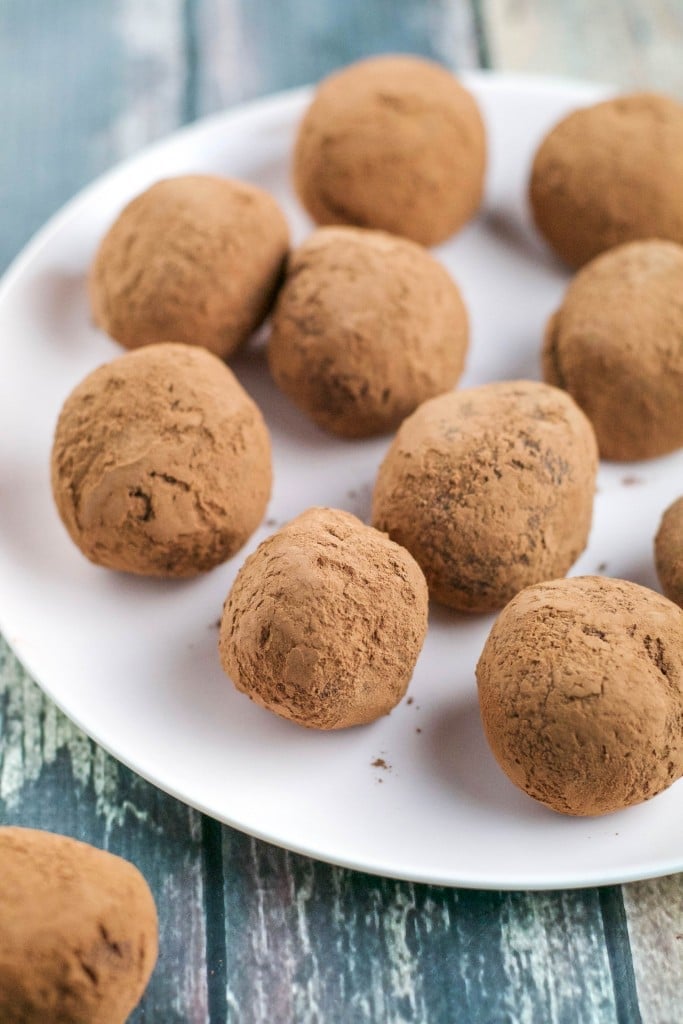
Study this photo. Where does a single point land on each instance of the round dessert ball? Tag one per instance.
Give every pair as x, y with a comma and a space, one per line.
490, 489
392, 142
616, 345
366, 327
161, 463
581, 693
78, 931
669, 552
195, 259
608, 174
325, 621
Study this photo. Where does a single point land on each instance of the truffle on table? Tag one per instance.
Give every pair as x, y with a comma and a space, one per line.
194, 259
581, 693
608, 174
366, 326
490, 489
616, 345
78, 931
161, 463
392, 142
669, 552
325, 621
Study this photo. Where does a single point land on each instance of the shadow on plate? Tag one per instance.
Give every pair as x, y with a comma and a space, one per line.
517, 236
63, 309
462, 762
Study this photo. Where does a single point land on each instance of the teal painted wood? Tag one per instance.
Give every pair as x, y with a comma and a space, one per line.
285, 938
634, 44
52, 777
308, 942
83, 85
252, 47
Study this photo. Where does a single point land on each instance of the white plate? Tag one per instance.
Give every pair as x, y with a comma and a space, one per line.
134, 662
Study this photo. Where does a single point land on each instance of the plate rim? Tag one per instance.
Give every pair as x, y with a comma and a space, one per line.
266, 107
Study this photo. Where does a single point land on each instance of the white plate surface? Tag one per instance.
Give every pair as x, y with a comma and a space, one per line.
134, 662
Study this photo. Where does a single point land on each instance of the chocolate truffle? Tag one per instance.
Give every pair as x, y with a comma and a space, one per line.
581, 693
161, 463
392, 142
616, 345
325, 621
490, 489
366, 327
78, 931
194, 259
609, 174
669, 552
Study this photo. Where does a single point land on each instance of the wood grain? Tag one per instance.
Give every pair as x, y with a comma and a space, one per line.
85, 85
307, 942
654, 910
251, 933
256, 47
635, 44
53, 777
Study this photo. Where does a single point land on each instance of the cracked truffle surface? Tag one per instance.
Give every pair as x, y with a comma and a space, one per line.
161, 463
395, 143
669, 552
490, 489
366, 327
78, 931
581, 693
194, 259
325, 621
616, 345
608, 174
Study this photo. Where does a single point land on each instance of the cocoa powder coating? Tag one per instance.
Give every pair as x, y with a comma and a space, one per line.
669, 552
325, 621
608, 174
366, 327
616, 345
78, 931
392, 142
194, 259
490, 489
161, 463
581, 693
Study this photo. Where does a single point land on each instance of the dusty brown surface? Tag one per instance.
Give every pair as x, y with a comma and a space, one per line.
161, 463
366, 326
194, 259
581, 693
393, 142
609, 174
325, 621
78, 931
669, 552
616, 345
491, 489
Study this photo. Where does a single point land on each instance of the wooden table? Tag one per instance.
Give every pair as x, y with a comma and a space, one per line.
249, 932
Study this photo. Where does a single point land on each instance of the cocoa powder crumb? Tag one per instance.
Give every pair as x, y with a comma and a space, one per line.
379, 762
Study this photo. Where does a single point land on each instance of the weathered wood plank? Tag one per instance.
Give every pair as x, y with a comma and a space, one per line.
631, 43
53, 777
253, 47
655, 922
299, 938
307, 942
634, 44
84, 85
